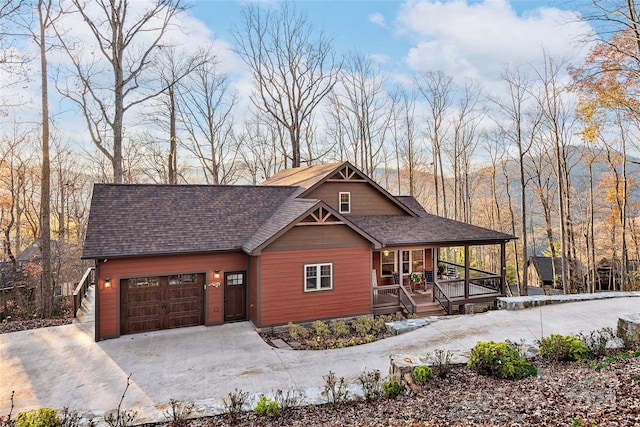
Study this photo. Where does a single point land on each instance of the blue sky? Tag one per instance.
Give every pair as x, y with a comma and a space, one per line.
466, 39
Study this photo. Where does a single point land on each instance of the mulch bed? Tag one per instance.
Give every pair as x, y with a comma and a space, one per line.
23, 325
566, 394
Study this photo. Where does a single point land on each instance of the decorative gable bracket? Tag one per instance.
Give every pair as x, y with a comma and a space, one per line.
347, 173
320, 216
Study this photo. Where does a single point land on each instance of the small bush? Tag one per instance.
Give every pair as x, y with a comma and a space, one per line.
335, 389
121, 417
391, 389
379, 324
298, 331
442, 365
178, 414
43, 417
499, 359
422, 374
70, 418
288, 399
234, 403
370, 383
340, 328
321, 329
596, 341
266, 407
563, 348
362, 325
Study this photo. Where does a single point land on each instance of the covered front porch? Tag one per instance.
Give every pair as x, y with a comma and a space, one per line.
437, 279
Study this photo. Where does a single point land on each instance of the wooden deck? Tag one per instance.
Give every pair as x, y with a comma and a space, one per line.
392, 299
435, 299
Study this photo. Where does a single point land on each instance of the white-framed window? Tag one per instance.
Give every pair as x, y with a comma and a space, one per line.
387, 263
318, 277
344, 202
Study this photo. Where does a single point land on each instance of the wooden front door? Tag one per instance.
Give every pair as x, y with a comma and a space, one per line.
161, 302
235, 296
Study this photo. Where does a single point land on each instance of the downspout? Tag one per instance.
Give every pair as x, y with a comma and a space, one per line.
96, 301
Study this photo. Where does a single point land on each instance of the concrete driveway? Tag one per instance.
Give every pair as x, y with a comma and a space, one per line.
63, 366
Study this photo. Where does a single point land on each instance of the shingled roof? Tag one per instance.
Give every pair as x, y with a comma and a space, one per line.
426, 229
131, 219
304, 176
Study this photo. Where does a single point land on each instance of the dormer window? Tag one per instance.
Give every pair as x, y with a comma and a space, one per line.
344, 201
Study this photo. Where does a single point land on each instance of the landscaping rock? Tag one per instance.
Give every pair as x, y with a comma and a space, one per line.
401, 368
402, 326
629, 329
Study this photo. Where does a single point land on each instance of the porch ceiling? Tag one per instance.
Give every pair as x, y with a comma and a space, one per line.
427, 229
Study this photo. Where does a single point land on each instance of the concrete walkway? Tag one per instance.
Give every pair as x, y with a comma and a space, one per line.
63, 366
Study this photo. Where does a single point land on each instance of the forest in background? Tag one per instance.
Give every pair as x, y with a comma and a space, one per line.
552, 159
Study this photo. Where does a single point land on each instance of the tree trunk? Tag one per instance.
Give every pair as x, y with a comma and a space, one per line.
46, 290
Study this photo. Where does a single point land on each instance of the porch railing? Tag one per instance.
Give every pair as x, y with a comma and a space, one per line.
391, 298
441, 296
81, 290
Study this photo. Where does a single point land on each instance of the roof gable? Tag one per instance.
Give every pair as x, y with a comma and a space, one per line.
299, 212
312, 177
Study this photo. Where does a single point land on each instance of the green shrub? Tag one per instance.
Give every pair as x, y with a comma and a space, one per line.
321, 329
379, 324
362, 325
391, 389
499, 359
563, 348
43, 417
422, 374
297, 331
266, 407
340, 328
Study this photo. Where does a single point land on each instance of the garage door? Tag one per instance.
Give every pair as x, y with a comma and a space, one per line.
161, 302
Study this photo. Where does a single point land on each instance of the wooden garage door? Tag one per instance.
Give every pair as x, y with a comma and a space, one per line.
161, 302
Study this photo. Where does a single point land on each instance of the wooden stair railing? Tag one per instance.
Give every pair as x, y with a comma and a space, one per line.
81, 290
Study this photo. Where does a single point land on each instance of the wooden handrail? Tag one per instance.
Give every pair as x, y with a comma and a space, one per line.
81, 290
406, 300
401, 298
440, 295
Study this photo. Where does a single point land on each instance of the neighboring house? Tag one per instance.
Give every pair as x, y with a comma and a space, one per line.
311, 243
540, 271
609, 273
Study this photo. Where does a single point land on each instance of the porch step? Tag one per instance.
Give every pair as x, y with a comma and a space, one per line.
430, 309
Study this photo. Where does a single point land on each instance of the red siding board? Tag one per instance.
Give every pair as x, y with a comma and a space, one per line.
282, 298
116, 269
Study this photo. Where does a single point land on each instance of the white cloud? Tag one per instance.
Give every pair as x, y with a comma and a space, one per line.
379, 58
377, 18
476, 40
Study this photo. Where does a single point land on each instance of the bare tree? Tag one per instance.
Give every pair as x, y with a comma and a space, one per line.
171, 66
520, 129
292, 71
260, 154
438, 90
206, 106
465, 140
106, 90
359, 106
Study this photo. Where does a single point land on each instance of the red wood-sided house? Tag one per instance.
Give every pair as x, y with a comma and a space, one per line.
318, 242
